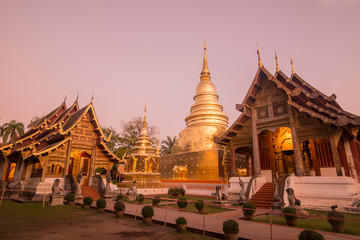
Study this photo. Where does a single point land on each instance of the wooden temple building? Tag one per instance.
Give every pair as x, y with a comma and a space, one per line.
289, 128
63, 142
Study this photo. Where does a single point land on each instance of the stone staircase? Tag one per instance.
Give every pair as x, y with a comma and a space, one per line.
264, 197
87, 191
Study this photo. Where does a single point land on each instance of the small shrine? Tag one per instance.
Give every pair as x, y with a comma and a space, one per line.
142, 165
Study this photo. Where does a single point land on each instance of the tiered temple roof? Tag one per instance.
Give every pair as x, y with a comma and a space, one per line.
52, 131
301, 95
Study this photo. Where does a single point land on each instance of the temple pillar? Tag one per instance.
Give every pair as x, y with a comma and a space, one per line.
356, 157
299, 164
44, 165
92, 163
255, 143
5, 166
19, 168
232, 157
350, 158
334, 139
67, 159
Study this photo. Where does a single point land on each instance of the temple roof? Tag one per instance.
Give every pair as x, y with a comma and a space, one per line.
301, 95
52, 131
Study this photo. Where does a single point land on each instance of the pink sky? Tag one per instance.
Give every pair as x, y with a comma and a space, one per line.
124, 51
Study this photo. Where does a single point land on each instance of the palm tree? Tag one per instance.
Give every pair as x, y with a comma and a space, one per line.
13, 130
167, 145
33, 122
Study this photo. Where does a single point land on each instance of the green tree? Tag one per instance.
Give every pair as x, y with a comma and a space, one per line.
13, 130
130, 130
166, 145
33, 122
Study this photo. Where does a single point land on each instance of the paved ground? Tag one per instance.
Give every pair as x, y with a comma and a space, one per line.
213, 223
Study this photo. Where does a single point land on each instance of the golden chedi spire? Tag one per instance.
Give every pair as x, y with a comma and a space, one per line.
205, 73
206, 110
258, 53
292, 66
277, 63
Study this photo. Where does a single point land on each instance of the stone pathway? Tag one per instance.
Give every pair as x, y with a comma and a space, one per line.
213, 223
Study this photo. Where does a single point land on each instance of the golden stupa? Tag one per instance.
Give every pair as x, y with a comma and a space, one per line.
142, 164
195, 150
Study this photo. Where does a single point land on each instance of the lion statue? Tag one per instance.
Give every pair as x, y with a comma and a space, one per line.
293, 201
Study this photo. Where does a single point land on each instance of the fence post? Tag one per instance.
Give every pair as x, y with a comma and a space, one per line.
166, 210
44, 199
271, 235
2, 195
137, 203
204, 223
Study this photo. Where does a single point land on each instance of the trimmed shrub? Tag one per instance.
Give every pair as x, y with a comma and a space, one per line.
156, 200
310, 235
181, 191
231, 226
70, 197
336, 219
147, 211
249, 208
119, 197
289, 213
171, 191
101, 203
182, 202
199, 205
119, 206
88, 201
181, 220
140, 198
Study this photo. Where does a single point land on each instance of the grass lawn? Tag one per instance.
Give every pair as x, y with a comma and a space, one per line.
318, 222
32, 221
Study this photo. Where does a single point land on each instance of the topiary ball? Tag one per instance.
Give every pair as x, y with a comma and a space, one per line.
88, 201
140, 198
199, 204
119, 206
119, 197
290, 213
182, 202
181, 221
231, 226
310, 235
249, 208
70, 197
156, 200
335, 218
147, 211
101, 203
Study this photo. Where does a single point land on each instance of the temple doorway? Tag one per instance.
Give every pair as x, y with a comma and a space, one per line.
80, 161
276, 153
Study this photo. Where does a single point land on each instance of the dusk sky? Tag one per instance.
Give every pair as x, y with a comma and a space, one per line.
126, 51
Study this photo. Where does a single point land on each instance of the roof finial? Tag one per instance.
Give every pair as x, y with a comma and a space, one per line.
258, 53
65, 98
77, 97
205, 71
92, 98
277, 63
292, 66
144, 123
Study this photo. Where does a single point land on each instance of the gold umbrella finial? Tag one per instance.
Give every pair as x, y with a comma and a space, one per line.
292, 66
277, 63
258, 53
205, 70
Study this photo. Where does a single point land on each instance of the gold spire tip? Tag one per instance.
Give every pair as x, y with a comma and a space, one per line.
277, 63
292, 66
205, 70
258, 53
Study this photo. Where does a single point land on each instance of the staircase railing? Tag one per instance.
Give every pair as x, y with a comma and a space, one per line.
255, 183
